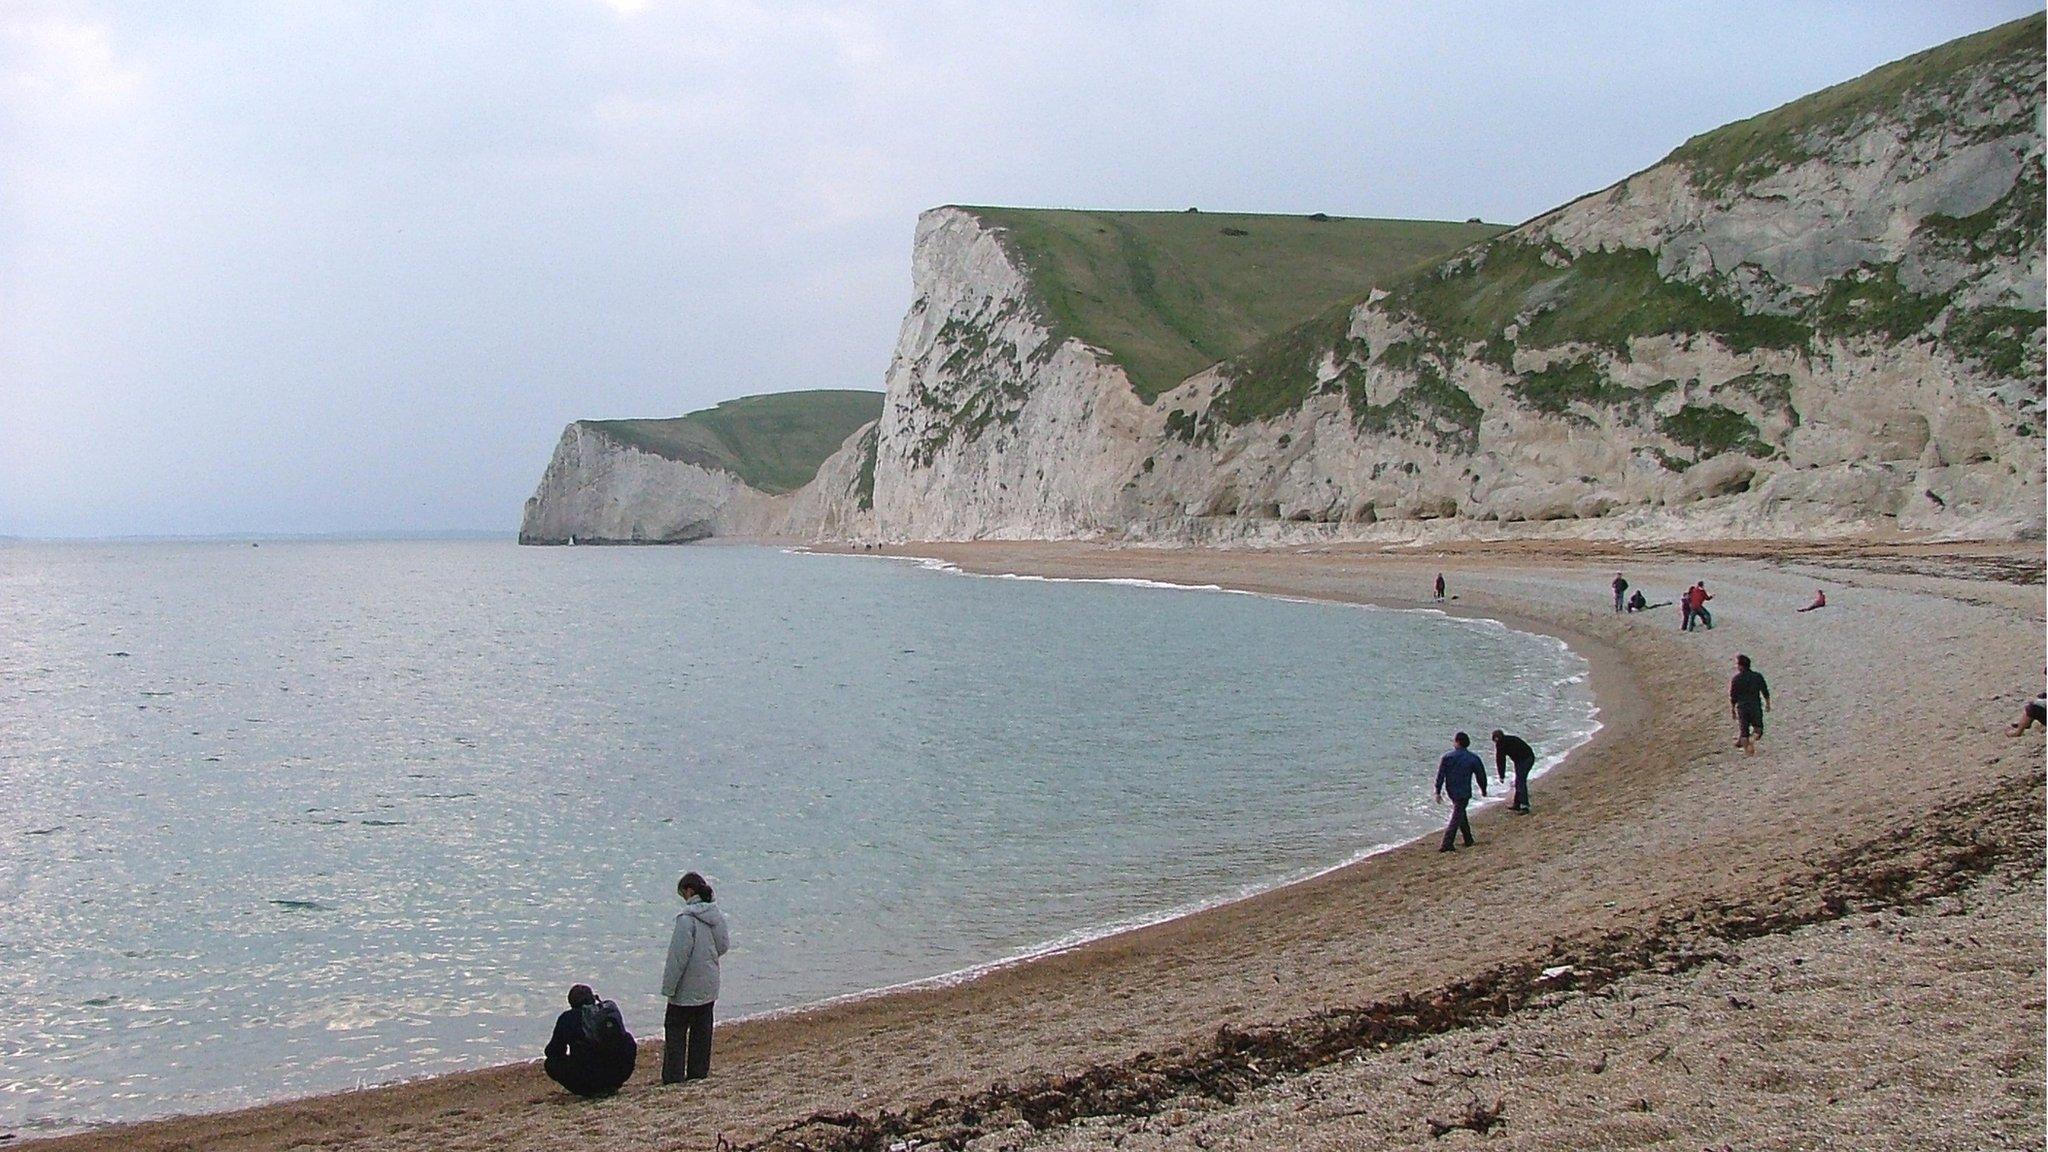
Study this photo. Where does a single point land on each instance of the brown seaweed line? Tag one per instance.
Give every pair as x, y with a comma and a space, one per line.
1909, 866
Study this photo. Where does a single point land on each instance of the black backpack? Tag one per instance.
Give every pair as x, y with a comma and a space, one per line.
604, 1026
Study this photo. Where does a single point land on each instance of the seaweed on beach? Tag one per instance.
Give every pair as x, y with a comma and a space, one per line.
1913, 865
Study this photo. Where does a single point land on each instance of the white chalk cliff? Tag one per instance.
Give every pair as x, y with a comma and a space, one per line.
1825, 320
600, 490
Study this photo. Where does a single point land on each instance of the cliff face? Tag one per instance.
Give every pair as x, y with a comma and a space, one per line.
1828, 318
724, 471
992, 426
598, 490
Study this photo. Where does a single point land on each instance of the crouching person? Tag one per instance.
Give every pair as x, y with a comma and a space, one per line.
591, 1053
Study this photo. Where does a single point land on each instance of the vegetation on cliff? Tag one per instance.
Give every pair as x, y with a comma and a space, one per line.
773, 443
1167, 294
1576, 311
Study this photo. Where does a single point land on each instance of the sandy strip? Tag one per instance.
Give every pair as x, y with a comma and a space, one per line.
1890, 706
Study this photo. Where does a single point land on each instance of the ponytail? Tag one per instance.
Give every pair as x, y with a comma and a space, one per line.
692, 882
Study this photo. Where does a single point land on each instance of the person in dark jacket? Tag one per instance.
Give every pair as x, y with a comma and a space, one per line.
1506, 748
1620, 590
579, 1056
1454, 775
1748, 699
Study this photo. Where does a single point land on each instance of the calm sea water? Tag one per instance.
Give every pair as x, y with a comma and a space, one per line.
283, 819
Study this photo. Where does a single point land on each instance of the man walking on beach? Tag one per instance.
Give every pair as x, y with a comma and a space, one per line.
1620, 590
1439, 585
1748, 698
1506, 748
1455, 774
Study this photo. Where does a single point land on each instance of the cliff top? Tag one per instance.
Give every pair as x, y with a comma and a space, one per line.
1525, 291
1167, 294
1780, 138
773, 443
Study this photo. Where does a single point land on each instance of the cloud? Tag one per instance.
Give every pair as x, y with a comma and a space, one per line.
56, 70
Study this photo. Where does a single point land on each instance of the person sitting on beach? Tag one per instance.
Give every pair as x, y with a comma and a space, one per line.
1820, 600
1455, 774
2036, 712
1636, 603
591, 1053
1506, 748
690, 982
1748, 698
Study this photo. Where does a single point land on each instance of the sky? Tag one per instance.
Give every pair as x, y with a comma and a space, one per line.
304, 266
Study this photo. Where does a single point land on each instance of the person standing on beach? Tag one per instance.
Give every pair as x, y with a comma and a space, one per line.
1748, 698
1455, 774
1620, 590
690, 982
1696, 613
1439, 585
1506, 748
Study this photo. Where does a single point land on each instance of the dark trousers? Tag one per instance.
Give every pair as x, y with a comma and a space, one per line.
1522, 785
1686, 625
593, 1073
1458, 824
686, 1047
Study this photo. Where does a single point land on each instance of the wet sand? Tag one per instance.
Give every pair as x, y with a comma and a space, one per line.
1889, 718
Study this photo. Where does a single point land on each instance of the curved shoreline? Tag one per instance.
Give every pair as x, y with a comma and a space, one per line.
1607, 852
1083, 937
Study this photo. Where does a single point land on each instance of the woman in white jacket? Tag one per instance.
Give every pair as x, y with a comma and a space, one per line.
690, 981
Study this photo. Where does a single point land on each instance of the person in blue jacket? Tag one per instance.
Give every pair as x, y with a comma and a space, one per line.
1454, 775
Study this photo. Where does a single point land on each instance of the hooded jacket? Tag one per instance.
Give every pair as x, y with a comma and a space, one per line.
690, 977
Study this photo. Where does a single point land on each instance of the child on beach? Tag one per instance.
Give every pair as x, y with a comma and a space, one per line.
1748, 699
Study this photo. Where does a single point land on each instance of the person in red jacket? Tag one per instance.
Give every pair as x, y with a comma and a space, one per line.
1696, 613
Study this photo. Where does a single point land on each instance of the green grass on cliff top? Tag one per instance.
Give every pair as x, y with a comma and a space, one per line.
1772, 141
773, 443
1167, 294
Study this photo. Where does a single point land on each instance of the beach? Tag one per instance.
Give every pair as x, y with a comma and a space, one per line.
1887, 837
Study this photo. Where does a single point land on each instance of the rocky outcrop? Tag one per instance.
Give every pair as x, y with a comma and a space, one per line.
1828, 319
599, 490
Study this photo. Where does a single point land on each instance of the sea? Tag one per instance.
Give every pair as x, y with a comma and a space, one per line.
289, 817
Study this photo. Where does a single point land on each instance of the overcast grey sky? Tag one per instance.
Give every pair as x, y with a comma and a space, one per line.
311, 266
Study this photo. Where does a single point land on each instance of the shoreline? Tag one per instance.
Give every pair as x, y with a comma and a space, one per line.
1545, 767
1577, 870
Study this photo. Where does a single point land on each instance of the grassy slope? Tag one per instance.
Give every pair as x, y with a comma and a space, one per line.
1604, 298
774, 443
1772, 140
1167, 294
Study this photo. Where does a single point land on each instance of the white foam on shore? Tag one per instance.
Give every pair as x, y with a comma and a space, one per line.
1081, 937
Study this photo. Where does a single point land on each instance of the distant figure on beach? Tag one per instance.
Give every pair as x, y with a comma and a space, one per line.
1748, 698
2036, 712
1455, 774
1506, 748
1696, 614
1820, 600
690, 982
1636, 603
591, 1053
1620, 589
1439, 585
